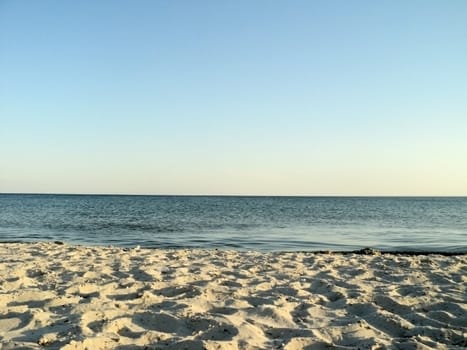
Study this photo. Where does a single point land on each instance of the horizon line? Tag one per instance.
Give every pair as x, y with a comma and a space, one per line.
236, 195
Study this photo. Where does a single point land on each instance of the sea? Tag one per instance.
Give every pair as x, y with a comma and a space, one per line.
433, 224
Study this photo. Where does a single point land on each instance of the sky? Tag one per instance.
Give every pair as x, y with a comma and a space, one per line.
234, 97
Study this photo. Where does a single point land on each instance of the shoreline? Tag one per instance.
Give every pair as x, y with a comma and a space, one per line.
360, 251
59, 296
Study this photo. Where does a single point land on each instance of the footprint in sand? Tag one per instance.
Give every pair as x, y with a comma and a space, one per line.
160, 322
14, 321
208, 329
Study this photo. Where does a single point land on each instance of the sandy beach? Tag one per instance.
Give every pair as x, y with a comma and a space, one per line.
60, 296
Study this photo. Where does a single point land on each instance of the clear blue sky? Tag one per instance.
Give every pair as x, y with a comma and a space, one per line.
234, 97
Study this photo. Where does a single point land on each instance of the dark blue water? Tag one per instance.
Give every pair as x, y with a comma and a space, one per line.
257, 223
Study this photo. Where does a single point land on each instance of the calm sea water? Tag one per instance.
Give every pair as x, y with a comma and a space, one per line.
253, 223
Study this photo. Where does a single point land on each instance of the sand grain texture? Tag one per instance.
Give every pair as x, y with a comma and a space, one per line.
71, 297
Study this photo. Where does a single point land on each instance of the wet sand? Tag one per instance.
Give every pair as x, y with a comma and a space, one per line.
59, 296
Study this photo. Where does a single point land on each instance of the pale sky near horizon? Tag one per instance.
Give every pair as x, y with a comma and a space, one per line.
234, 97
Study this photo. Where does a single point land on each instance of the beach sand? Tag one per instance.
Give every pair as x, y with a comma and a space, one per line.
60, 296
